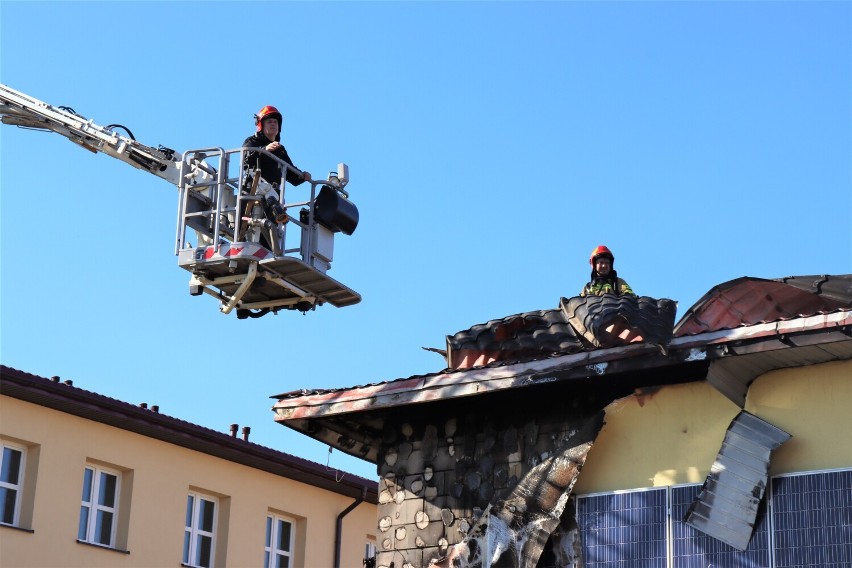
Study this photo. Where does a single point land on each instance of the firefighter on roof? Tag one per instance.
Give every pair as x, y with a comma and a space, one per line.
604, 279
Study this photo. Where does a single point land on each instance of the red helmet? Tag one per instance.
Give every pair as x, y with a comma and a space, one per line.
268, 111
601, 250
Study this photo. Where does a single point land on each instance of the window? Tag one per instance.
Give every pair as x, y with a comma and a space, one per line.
199, 537
11, 484
370, 554
99, 506
279, 542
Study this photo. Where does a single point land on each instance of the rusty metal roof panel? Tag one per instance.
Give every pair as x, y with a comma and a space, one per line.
726, 506
749, 301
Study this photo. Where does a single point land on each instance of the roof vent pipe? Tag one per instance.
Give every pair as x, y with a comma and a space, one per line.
55, 378
234, 428
156, 408
246, 432
69, 382
143, 405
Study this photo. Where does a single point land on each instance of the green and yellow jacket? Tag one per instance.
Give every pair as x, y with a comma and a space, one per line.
601, 286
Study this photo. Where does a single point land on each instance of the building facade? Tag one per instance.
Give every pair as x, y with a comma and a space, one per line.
654, 454
89, 481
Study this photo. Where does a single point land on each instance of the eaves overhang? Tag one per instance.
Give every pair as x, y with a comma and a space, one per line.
92, 406
351, 419
469, 382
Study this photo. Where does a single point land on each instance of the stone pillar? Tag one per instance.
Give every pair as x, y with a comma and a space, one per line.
469, 487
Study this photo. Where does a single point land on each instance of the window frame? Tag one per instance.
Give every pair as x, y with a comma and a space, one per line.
193, 531
18, 487
95, 507
271, 554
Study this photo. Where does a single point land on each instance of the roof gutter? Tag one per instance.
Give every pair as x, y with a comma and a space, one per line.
338, 531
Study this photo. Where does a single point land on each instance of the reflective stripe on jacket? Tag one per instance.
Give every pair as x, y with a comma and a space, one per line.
599, 287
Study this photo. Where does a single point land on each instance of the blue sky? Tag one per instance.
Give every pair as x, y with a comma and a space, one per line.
491, 145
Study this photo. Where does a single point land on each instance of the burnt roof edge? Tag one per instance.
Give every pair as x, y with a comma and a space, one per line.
99, 408
429, 388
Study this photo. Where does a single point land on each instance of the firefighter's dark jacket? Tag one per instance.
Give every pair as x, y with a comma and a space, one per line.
269, 168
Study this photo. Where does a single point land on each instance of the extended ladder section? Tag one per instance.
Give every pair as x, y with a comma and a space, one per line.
257, 250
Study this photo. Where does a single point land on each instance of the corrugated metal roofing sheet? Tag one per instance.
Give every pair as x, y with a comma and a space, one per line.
726, 506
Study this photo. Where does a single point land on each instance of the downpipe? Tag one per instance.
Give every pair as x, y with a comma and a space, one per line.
338, 533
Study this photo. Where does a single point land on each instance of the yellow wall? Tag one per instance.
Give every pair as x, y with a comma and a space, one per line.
162, 474
814, 404
673, 436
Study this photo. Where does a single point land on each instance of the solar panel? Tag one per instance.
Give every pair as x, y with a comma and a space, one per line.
812, 519
624, 529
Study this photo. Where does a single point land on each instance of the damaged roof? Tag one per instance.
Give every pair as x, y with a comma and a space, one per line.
749, 301
521, 336
578, 324
737, 331
740, 302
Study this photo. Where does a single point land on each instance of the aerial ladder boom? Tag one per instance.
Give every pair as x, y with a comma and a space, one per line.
241, 256
19, 109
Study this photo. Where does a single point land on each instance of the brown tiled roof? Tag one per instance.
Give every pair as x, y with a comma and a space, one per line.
67, 398
517, 337
578, 324
740, 302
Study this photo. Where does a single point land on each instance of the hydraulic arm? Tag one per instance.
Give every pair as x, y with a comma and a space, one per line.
19, 109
